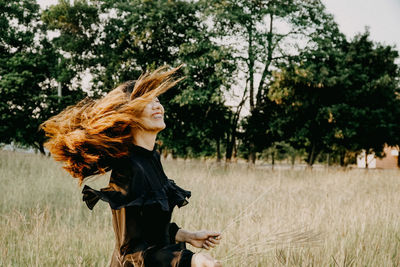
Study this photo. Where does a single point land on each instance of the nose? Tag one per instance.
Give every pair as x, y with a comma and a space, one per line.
157, 105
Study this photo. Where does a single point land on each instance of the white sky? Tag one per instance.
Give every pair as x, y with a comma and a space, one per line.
382, 16
45, 3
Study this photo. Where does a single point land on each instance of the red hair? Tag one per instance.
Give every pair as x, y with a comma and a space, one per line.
88, 136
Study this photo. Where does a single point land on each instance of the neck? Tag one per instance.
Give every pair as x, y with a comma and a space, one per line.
144, 139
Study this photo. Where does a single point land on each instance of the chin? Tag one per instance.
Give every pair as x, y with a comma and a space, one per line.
162, 127
156, 128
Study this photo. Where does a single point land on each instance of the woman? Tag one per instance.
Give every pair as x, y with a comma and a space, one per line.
118, 133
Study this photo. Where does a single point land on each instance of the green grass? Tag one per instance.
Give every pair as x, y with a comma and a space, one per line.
268, 218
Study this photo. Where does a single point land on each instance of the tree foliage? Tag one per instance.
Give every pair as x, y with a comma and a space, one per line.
341, 98
305, 86
28, 67
265, 35
117, 40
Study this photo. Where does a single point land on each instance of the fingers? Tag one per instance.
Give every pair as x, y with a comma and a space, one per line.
213, 240
209, 244
215, 237
208, 239
215, 234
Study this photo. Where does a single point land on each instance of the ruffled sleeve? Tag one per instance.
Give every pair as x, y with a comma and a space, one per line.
125, 186
130, 189
176, 195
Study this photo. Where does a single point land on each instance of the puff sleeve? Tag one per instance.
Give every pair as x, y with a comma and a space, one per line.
126, 188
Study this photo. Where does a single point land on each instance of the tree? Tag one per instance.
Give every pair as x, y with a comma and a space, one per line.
198, 111
122, 39
341, 98
78, 29
265, 35
28, 63
368, 117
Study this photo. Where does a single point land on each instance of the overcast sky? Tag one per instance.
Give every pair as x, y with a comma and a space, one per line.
382, 16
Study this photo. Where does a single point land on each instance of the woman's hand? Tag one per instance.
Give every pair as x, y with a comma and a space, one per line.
204, 239
199, 239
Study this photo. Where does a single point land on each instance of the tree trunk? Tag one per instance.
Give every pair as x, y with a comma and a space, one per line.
252, 154
218, 150
328, 159
312, 155
234, 155
229, 150
251, 62
293, 160
366, 158
230, 142
342, 155
268, 63
273, 159
41, 149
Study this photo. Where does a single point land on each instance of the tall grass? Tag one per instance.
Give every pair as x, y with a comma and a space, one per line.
267, 218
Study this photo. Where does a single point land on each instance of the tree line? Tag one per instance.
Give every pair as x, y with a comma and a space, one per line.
307, 89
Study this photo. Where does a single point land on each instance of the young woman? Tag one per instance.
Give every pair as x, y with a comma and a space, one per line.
118, 133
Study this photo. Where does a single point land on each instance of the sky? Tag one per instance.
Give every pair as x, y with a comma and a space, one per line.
382, 16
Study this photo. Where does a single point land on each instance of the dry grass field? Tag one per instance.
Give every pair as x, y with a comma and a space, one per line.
267, 218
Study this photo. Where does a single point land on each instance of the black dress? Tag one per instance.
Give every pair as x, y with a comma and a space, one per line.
142, 199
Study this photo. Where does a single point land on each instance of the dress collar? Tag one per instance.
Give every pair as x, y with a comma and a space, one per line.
138, 150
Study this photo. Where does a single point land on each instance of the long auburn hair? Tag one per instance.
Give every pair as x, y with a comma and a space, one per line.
90, 135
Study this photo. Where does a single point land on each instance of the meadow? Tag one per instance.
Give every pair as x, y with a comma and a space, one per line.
328, 217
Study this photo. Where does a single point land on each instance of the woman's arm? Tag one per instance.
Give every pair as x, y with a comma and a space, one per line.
199, 239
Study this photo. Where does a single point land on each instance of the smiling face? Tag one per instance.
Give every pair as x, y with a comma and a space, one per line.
153, 116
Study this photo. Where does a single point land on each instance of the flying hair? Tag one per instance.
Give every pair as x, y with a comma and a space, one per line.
88, 136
